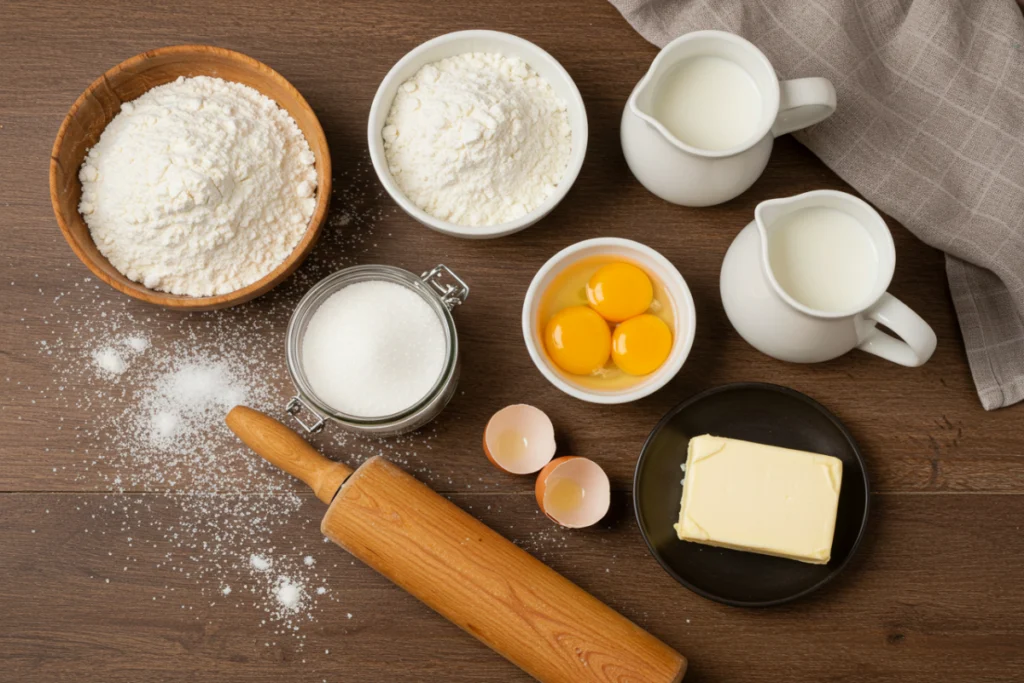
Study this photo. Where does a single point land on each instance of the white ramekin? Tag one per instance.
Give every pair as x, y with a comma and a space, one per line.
648, 259
458, 43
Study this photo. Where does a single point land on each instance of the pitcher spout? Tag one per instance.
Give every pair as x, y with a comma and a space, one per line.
641, 100
768, 211
766, 214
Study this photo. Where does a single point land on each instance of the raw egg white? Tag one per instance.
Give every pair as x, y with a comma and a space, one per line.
573, 491
638, 323
519, 439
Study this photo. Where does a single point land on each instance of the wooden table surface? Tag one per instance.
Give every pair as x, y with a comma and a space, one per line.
935, 593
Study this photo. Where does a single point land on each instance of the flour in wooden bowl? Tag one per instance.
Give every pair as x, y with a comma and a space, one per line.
199, 187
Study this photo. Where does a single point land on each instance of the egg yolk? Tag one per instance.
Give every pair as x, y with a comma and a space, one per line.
578, 340
619, 291
641, 344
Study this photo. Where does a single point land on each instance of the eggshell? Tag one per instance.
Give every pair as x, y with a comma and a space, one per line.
528, 423
589, 476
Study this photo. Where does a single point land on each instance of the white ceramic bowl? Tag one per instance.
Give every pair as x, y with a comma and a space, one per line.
458, 43
657, 266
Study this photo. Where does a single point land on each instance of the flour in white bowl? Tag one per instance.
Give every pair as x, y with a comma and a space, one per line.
199, 187
477, 139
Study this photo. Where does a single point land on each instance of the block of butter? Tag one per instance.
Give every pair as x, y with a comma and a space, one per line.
758, 498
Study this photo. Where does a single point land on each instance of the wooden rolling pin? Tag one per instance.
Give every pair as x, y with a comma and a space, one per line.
483, 583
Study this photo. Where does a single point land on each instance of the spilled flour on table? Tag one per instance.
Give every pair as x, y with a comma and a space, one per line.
109, 361
145, 392
158, 425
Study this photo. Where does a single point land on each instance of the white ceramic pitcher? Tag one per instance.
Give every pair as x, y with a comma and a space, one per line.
772, 321
683, 174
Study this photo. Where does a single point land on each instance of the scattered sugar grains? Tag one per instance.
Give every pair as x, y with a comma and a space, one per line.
259, 563
157, 424
142, 394
109, 361
137, 343
289, 594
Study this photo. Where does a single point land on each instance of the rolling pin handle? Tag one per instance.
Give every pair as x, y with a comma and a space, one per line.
282, 447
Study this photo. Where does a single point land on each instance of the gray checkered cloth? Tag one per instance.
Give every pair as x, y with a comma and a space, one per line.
928, 128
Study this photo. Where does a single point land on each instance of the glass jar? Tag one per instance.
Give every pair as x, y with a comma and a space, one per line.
442, 289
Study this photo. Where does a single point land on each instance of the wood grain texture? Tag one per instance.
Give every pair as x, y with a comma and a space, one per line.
934, 593
493, 590
285, 449
462, 569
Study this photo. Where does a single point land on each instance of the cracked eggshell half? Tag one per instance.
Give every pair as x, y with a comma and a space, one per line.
573, 491
519, 439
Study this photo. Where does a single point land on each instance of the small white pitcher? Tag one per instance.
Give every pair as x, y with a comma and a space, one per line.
775, 323
683, 174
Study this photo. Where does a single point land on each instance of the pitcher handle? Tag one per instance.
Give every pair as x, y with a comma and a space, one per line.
803, 102
918, 339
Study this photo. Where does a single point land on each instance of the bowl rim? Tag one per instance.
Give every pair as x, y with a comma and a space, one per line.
376, 144
676, 285
178, 301
765, 386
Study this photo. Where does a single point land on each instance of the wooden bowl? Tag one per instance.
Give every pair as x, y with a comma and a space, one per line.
101, 101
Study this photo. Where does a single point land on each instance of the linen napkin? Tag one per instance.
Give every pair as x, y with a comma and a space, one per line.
929, 128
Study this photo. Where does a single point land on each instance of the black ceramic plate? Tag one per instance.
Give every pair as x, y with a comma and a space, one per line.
763, 413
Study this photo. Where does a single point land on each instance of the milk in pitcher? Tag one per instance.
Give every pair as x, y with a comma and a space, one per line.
823, 258
709, 103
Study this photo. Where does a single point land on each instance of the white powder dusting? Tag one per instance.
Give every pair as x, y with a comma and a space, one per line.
309, 560
185, 400
477, 139
137, 343
210, 503
198, 187
112, 359
259, 563
289, 594
108, 360
373, 348
164, 426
